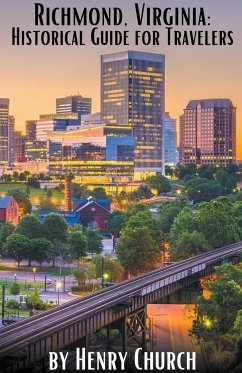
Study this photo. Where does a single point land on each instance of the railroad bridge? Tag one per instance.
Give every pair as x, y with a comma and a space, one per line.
120, 306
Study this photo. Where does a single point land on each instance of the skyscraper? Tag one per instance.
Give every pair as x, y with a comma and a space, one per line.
11, 139
74, 104
170, 140
4, 127
132, 94
208, 132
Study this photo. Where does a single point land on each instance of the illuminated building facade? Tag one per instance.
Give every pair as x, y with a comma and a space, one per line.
95, 154
19, 146
170, 140
11, 139
4, 129
132, 94
54, 122
208, 132
74, 104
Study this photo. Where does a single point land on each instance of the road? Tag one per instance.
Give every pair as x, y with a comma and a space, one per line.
170, 325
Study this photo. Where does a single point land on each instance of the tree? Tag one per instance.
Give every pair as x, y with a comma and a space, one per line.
55, 229
143, 192
22, 200
49, 194
188, 245
184, 222
159, 182
80, 191
29, 226
6, 229
42, 250
15, 289
136, 207
216, 315
34, 298
169, 211
94, 241
107, 267
80, 272
17, 247
99, 193
200, 189
78, 245
49, 204
228, 182
145, 219
238, 324
206, 172
217, 222
137, 251
117, 222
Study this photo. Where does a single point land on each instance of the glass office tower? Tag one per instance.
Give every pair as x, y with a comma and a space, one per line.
4, 128
132, 94
74, 104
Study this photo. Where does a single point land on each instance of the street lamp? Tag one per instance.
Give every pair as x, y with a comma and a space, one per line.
58, 286
15, 277
34, 270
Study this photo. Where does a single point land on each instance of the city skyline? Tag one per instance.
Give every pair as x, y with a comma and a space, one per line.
33, 82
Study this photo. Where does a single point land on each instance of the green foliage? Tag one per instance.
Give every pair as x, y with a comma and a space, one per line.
184, 222
200, 189
78, 245
29, 226
143, 192
159, 182
137, 207
94, 241
80, 191
34, 299
80, 271
99, 193
217, 315
228, 182
22, 200
188, 245
238, 324
55, 228
6, 229
42, 250
17, 247
169, 211
144, 219
217, 223
15, 288
117, 222
108, 267
12, 303
137, 251
49, 204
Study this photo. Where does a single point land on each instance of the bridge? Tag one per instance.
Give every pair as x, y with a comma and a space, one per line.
121, 306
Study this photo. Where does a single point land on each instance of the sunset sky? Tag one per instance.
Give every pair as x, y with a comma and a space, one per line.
33, 77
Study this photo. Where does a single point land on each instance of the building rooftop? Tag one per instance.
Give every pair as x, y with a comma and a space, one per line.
71, 217
4, 201
211, 102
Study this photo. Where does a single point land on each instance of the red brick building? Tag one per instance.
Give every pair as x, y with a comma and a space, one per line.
94, 214
8, 210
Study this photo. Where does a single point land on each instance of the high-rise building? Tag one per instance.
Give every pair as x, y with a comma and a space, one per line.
170, 140
19, 147
11, 139
208, 132
31, 130
132, 94
74, 104
4, 128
